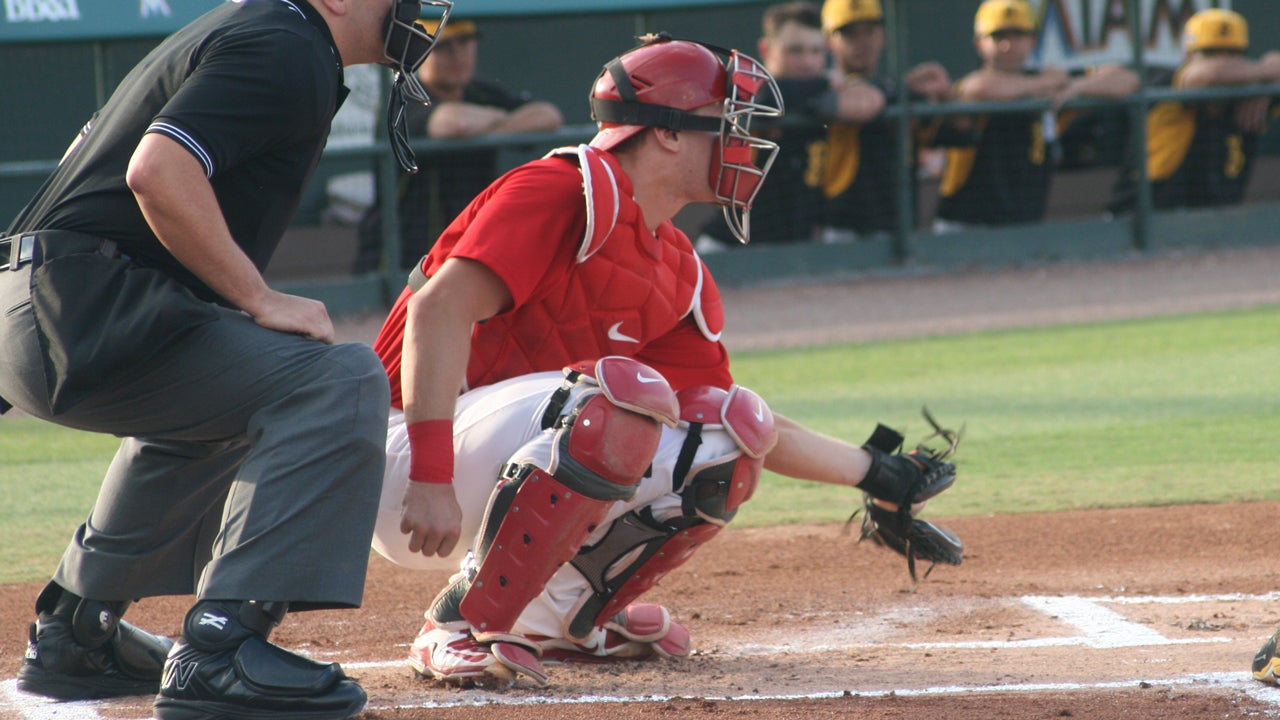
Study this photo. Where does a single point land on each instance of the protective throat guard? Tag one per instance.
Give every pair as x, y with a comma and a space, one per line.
405, 48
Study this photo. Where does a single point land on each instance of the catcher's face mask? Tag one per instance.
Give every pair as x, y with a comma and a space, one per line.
662, 82
406, 47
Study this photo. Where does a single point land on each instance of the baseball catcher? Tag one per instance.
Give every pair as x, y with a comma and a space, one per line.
567, 495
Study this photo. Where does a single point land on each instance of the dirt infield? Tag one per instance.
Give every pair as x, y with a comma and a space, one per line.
1147, 612
1114, 614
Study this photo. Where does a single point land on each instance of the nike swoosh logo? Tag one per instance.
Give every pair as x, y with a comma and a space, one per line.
647, 380
759, 412
615, 333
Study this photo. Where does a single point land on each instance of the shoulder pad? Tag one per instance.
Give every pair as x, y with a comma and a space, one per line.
600, 193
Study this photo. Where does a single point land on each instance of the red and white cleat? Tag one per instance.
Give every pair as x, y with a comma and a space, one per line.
639, 632
456, 657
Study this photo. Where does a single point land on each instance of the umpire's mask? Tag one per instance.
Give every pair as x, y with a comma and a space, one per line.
407, 45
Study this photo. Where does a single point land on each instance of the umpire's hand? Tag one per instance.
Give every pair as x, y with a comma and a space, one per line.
293, 314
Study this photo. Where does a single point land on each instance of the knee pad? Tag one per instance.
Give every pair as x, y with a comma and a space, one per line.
712, 480
539, 517
713, 486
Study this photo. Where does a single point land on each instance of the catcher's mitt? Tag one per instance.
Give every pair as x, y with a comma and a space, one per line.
906, 479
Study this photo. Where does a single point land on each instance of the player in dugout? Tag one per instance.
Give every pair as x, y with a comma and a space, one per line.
1202, 153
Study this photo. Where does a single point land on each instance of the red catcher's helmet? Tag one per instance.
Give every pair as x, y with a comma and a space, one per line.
662, 82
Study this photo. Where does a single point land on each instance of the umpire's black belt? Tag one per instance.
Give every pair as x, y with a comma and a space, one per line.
19, 250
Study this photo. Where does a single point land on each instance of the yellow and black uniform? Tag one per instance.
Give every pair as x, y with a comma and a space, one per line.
1196, 156
859, 172
1003, 177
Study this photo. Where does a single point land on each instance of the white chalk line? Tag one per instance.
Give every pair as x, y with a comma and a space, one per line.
1100, 628
34, 707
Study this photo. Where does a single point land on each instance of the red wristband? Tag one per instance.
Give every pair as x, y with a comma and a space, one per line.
431, 451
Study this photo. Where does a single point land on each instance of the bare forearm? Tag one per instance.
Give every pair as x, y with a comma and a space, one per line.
437, 343
434, 364
1211, 71
858, 101
534, 116
994, 85
1107, 81
181, 208
807, 455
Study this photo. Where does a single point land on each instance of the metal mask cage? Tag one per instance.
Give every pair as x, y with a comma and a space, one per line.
405, 48
744, 159
407, 43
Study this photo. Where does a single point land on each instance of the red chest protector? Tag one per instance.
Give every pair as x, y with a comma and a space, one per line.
627, 288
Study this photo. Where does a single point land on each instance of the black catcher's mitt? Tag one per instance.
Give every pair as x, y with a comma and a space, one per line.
906, 479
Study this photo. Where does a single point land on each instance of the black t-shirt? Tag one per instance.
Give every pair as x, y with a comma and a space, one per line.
862, 171
250, 89
1004, 178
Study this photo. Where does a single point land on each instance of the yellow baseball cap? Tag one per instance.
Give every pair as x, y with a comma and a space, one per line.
1215, 29
455, 28
838, 13
997, 15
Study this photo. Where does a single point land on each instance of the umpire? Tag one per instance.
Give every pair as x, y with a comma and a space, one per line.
132, 303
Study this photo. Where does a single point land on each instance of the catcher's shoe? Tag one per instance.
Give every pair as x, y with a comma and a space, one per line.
1265, 663
80, 649
455, 657
639, 632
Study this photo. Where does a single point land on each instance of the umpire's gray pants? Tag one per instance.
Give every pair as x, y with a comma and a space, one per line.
250, 466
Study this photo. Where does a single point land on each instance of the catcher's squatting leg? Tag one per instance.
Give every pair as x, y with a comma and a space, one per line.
541, 512
726, 435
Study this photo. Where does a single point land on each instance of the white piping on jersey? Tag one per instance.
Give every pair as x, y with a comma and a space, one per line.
617, 201
695, 307
293, 7
187, 141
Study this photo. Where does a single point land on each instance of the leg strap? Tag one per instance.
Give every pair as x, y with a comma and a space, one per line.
637, 552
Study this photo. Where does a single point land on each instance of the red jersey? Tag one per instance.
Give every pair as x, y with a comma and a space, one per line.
586, 277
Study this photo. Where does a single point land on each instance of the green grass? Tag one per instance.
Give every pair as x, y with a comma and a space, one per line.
48, 480
1171, 410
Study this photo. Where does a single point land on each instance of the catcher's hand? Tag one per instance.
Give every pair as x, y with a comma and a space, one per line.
906, 479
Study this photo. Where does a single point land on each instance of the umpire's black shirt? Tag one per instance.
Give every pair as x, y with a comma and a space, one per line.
250, 89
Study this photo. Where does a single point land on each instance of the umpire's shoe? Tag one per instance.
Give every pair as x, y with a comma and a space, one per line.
1266, 665
80, 649
223, 667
